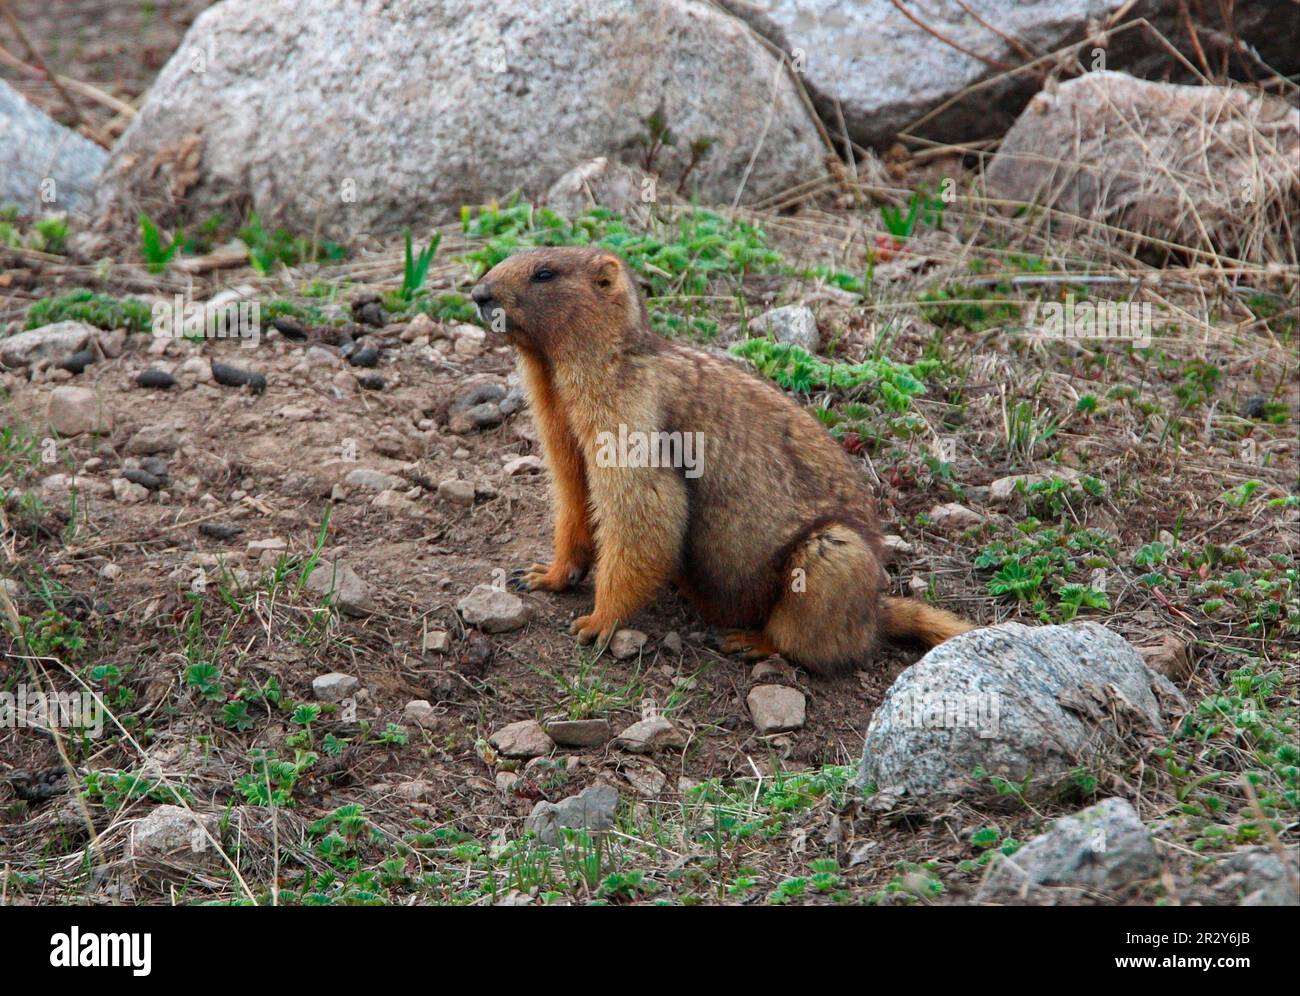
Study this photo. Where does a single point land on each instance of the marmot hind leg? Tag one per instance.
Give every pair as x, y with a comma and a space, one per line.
825, 619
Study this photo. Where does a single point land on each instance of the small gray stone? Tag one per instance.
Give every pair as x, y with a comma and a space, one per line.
334, 687
627, 643
437, 641
776, 708
456, 491
374, 480
523, 465
523, 739
175, 836
954, 516
128, 492
1104, 848
794, 324
153, 439
672, 643
351, 594
494, 610
650, 735
420, 712
74, 410
579, 732
591, 809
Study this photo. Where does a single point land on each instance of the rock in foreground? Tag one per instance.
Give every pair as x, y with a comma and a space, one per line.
1025, 704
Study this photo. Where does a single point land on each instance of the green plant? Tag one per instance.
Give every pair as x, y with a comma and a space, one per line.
100, 310
416, 267
156, 255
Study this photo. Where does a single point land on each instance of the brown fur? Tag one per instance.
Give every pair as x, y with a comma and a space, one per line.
777, 537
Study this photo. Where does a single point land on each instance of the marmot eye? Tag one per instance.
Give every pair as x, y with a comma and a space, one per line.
541, 276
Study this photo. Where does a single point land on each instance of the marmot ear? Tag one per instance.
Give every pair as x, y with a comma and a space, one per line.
608, 272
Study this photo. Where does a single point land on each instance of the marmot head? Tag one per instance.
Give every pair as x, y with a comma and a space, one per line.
564, 299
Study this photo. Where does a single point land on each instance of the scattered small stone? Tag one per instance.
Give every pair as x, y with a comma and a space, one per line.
110, 572
153, 439
415, 790
649, 735
591, 809
644, 778
523, 465
580, 732
1104, 848
896, 546
776, 708
672, 643
273, 544
456, 491
513, 401
794, 324
494, 610
371, 382
420, 712
437, 641
1256, 406
374, 480
128, 492
627, 643
228, 376
351, 594
74, 410
159, 380
175, 836
523, 739
954, 516
334, 687
1168, 657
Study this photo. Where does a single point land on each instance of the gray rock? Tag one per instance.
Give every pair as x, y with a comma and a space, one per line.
49, 342
627, 643
1105, 145
456, 491
795, 324
523, 465
494, 610
886, 72
1104, 848
35, 150
579, 732
351, 594
420, 712
75, 410
373, 480
590, 809
437, 105
152, 439
334, 687
176, 837
476, 394
650, 735
523, 739
1019, 702
672, 643
1255, 876
954, 516
776, 708
129, 492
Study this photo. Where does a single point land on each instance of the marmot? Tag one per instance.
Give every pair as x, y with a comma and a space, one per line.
770, 532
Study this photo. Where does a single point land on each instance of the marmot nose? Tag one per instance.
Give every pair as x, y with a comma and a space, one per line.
482, 294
